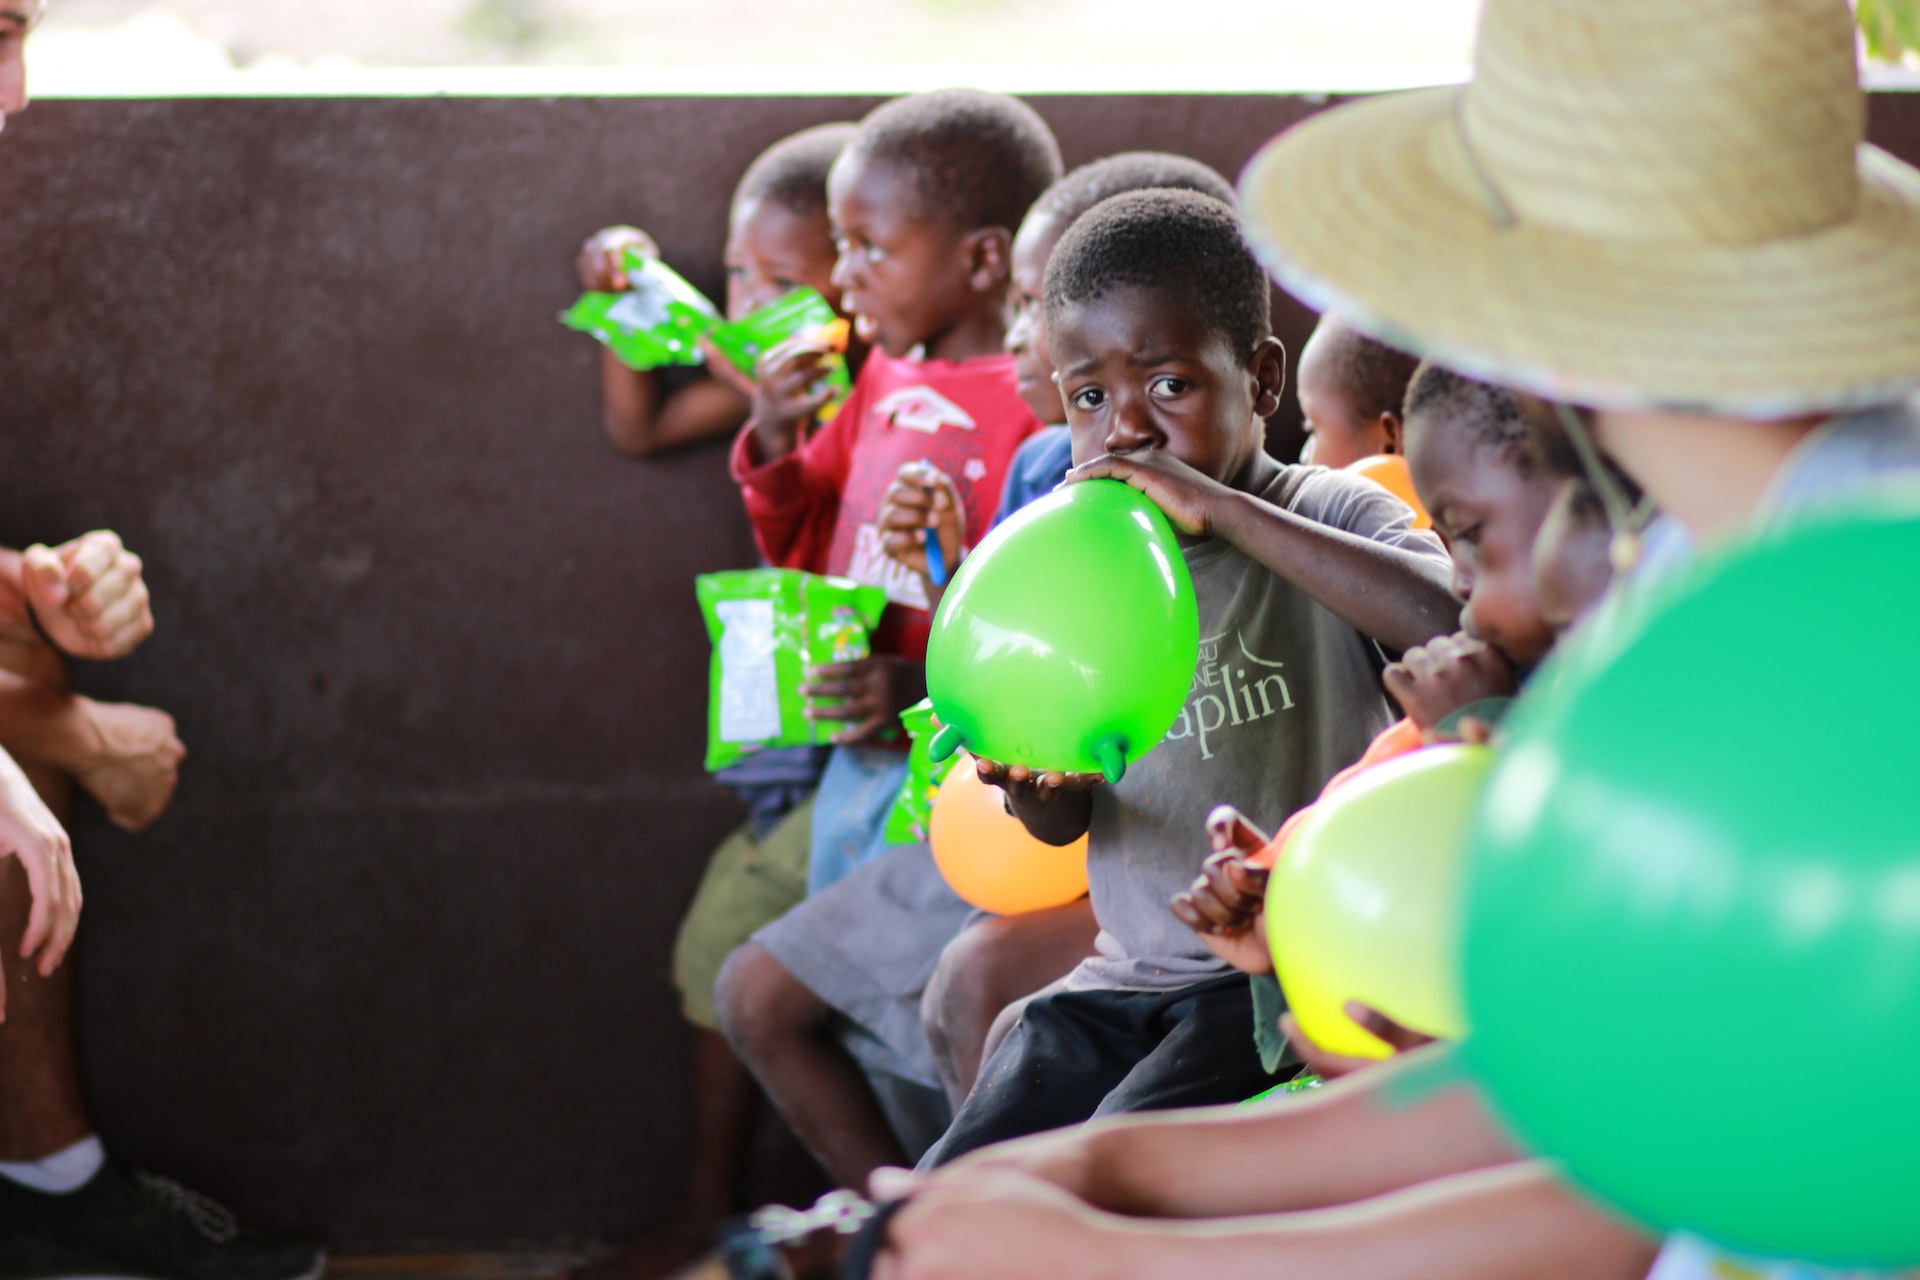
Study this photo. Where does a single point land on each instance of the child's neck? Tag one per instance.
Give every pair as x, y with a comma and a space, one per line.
980, 331
1706, 471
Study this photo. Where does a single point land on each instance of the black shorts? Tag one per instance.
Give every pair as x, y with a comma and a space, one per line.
1075, 1055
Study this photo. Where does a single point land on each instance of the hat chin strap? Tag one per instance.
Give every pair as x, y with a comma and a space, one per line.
1626, 521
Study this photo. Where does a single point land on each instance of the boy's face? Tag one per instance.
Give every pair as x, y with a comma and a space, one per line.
1489, 513
17, 19
771, 250
904, 277
1140, 369
1338, 433
1572, 558
1027, 334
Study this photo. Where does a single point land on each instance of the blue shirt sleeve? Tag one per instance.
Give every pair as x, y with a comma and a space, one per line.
1042, 461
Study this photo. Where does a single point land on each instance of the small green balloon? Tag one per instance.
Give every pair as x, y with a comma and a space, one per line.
1069, 637
1700, 851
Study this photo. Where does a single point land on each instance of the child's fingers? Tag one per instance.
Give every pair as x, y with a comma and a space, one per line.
1246, 878
1188, 914
860, 731
1213, 875
1400, 1037
1228, 828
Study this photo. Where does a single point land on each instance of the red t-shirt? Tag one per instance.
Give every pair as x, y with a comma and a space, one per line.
816, 509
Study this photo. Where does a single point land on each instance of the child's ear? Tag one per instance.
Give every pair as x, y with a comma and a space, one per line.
1390, 428
989, 256
1268, 368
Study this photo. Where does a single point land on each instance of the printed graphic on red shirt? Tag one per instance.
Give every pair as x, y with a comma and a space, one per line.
966, 419
923, 409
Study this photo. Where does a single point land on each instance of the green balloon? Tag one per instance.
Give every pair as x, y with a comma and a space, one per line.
1069, 637
1700, 853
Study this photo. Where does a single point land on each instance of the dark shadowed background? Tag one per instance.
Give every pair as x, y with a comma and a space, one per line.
395, 965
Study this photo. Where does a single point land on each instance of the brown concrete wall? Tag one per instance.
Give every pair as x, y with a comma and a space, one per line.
396, 964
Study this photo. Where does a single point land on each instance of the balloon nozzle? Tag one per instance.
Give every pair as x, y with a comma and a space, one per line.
946, 740
1112, 755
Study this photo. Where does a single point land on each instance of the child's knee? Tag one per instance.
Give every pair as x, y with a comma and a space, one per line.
759, 1002
971, 975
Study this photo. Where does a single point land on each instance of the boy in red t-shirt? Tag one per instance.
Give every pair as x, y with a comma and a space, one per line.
924, 203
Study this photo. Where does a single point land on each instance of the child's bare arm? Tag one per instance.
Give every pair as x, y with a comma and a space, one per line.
1517, 1223
1335, 1145
643, 418
1399, 598
640, 415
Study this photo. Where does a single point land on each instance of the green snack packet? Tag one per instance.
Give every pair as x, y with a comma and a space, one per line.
768, 626
796, 313
912, 814
657, 322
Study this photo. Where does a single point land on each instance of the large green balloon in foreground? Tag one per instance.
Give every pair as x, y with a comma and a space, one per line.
1700, 858
1069, 637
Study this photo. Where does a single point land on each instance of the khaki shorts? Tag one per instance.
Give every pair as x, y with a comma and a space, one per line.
748, 884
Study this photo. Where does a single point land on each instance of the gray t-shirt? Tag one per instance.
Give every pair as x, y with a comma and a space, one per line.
1285, 695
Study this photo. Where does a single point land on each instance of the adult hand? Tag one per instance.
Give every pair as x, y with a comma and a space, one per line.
1226, 904
30, 832
136, 764
995, 1222
866, 695
1190, 499
923, 500
87, 595
602, 264
1330, 1065
1433, 680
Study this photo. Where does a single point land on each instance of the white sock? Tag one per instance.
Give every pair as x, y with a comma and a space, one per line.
68, 1169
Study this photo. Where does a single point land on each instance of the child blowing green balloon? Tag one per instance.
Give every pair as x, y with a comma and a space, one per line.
1158, 323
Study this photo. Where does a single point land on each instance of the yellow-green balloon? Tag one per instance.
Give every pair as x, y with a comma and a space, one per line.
1069, 637
1364, 901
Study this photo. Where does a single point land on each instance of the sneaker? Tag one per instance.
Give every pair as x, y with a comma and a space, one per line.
140, 1225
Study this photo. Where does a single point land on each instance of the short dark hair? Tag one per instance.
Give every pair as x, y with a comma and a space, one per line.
1374, 374
1555, 448
1180, 242
1492, 412
1115, 175
792, 173
977, 159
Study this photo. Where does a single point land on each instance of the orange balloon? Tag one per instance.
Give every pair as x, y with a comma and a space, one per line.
1389, 471
989, 859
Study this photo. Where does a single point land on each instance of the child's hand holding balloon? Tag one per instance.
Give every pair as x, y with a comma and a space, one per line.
1226, 904
1191, 500
1329, 1065
1056, 808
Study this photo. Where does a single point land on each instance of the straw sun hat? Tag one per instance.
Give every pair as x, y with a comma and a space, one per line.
1635, 204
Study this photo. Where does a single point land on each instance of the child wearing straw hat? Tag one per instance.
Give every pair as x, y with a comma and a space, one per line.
1663, 210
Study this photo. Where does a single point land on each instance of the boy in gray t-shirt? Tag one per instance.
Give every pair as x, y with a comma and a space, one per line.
1158, 318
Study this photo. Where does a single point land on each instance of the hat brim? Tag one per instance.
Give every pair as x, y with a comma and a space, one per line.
1372, 210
